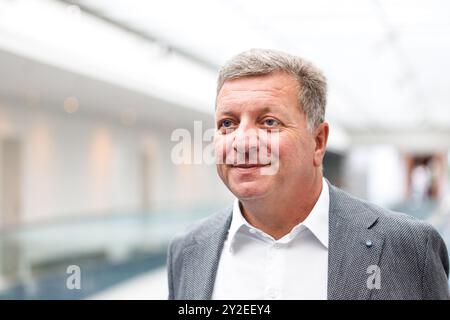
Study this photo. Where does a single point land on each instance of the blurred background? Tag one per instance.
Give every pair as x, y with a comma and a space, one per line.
92, 90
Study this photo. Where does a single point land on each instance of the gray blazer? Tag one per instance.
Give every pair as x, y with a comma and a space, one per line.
411, 256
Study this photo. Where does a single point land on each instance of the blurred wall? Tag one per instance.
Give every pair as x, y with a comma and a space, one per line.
75, 164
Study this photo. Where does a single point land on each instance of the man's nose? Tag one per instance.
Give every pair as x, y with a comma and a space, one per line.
246, 139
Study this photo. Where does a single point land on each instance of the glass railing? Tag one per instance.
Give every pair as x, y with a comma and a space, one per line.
51, 260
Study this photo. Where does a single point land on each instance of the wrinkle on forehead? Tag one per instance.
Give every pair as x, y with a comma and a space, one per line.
256, 94
260, 84
268, 89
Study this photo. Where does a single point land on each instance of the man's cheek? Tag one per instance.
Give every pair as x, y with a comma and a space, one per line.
293, 154
220, 149
224, 149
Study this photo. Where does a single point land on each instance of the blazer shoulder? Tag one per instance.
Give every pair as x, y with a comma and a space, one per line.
388, 222
201, 229
398, 224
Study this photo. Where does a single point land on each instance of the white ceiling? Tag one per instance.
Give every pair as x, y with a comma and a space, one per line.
386, 61
34, 86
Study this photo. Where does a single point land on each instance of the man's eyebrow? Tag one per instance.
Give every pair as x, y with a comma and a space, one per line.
225, 110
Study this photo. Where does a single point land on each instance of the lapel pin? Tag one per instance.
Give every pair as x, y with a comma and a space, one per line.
369, 243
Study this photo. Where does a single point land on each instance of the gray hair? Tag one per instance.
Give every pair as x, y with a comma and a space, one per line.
312, 94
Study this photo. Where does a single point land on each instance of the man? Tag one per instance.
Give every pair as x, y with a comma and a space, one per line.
291, 234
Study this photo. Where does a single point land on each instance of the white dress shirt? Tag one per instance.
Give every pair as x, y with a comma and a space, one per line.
253, 265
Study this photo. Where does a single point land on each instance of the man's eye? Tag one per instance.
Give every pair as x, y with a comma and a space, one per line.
271, 122
227, 123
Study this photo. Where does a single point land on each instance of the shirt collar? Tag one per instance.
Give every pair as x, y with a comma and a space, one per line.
316, 221
237, 221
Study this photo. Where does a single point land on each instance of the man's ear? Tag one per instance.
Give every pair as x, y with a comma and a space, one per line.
320, 139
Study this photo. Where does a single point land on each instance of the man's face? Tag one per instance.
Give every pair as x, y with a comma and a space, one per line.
250, 112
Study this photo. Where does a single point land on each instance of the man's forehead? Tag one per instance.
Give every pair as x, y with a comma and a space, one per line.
254, 97
276, 88
278, 81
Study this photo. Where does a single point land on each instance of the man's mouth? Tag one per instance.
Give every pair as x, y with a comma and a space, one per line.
247, 166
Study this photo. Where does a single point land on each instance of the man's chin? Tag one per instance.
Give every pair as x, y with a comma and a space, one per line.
249, 192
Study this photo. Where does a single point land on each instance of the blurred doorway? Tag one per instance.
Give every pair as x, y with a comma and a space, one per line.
10, 207
425, 176
10, 163
145, 177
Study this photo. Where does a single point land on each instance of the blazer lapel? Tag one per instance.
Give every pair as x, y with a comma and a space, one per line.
353, 247
201, 259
